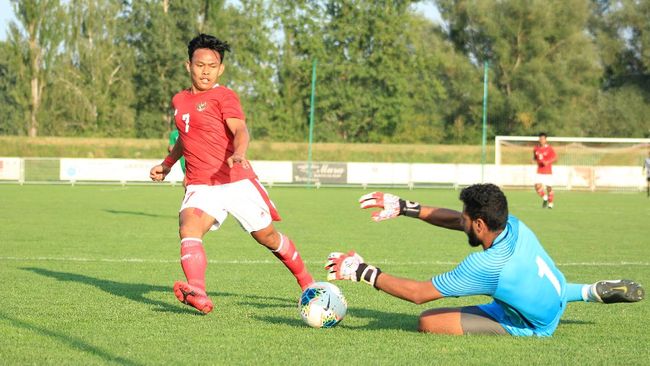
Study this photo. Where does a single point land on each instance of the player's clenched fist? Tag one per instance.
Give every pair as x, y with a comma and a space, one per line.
391, 205
351, 267
159, 172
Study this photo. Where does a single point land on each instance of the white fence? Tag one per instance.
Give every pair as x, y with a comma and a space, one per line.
32, 170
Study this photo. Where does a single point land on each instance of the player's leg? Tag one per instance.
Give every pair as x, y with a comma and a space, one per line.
250, 204
539, 188
194, 222
284, 249
606, 291
459, 321
550, 195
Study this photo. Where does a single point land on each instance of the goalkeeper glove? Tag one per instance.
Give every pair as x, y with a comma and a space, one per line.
391, 205
350, 267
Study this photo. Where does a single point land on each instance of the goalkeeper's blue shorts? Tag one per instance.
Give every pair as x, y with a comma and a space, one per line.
515, 325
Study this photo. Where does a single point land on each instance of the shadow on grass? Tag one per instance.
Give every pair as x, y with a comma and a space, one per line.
266, 302
574, 322
71, 341
377, 320
136, 213
131, 291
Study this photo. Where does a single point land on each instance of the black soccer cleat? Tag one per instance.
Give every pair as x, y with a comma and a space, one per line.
544, 203
610, 292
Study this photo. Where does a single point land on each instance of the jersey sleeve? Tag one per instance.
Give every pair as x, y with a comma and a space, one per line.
478, 274
231, 106
552, 155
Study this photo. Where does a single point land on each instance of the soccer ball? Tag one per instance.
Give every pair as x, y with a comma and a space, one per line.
322, 305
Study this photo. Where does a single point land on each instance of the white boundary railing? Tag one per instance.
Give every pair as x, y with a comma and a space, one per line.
411, 175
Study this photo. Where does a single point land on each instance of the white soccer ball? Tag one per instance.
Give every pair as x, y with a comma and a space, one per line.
322, 305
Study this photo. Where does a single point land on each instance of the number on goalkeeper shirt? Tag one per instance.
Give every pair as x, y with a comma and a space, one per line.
543, 270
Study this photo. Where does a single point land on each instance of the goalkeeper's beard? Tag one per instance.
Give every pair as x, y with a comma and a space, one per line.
472, 239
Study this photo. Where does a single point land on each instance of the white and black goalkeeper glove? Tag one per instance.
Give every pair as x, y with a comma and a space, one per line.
390, 204
351, 267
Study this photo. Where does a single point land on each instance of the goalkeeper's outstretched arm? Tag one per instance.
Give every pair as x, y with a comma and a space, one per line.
392, 206
443, 217
351, 266
417, 292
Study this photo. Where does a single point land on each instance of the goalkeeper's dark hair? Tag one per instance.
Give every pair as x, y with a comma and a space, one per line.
209, 42
487, 202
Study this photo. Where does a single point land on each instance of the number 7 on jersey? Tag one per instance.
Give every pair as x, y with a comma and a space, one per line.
186, 118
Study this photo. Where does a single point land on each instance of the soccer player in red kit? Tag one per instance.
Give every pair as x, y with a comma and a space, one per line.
544, 156
214, 139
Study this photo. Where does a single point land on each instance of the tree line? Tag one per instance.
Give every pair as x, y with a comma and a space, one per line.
385, 73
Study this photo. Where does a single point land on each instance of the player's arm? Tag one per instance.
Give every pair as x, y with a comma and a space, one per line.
417, 292
553, 158
352, 267
392, 206
160, 171
443, 217
240, 141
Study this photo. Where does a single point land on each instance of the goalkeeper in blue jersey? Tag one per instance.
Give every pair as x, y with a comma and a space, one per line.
529, 292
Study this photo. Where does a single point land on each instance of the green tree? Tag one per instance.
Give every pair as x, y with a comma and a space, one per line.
13, 89
543, 65
42, 24
252, 64
300, 44
622, 32
363, 90
96, 73
374, 77
159, 31
444, 93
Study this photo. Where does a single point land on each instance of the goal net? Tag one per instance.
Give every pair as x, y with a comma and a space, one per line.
583, 162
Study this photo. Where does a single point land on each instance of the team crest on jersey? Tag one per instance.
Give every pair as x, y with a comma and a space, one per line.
201, 106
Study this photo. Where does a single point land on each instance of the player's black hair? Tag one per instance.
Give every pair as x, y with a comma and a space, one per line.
487, 202
209, 42
542, 134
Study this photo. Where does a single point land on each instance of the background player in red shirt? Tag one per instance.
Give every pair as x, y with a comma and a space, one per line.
213, 138
544, 156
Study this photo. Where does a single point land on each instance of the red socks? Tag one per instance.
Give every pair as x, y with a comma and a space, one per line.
288, 254
551, 195
193, 261
540, 191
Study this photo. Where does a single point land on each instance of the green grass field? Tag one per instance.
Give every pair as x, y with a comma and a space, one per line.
87, 273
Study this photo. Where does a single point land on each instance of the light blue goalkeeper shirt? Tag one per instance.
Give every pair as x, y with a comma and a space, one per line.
518, 273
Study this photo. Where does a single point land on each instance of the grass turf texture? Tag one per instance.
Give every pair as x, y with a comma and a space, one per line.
87, 273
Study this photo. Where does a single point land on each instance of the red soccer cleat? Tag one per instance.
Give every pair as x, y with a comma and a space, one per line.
192, 296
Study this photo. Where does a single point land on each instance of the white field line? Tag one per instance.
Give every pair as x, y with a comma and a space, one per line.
275, 261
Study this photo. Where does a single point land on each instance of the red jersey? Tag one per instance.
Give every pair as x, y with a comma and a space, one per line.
207, 140
544, 154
